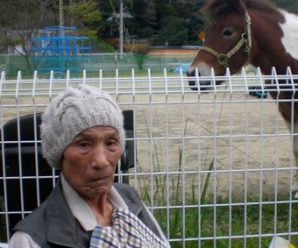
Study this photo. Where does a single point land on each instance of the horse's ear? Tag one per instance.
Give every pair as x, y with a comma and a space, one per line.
235, 3
226, 3
239, 5
223, 7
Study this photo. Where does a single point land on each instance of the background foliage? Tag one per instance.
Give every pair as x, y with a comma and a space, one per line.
162, 22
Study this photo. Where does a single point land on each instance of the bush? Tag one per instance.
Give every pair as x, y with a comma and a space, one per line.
173, 31
140, 54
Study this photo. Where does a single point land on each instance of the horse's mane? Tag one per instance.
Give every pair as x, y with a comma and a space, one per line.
221, 8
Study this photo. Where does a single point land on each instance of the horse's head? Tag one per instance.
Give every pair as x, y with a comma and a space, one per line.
227, 40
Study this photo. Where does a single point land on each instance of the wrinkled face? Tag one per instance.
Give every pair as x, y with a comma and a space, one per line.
89, 162
221, 35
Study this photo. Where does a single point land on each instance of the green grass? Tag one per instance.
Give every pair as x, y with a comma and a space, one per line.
14, 63
195, 219
207, 222
198, 220
221, 222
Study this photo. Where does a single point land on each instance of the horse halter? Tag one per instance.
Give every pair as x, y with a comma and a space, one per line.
223, 58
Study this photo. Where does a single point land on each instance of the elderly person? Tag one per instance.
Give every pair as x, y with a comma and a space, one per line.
82, 135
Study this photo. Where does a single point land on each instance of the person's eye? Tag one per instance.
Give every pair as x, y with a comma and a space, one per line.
84, 144
112, 143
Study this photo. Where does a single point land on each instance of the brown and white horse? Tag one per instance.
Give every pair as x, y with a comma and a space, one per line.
256, 32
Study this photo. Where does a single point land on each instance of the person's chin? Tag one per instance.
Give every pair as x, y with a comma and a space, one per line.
103, 188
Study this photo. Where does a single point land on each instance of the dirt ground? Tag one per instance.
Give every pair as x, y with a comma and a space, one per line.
239, 140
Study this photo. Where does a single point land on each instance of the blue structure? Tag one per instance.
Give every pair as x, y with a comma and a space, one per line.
60, 49
184, 67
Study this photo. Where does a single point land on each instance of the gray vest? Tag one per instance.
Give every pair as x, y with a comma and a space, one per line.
53, 225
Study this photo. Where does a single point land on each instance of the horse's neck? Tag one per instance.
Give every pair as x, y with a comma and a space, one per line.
276, 46
290, 31
282, 53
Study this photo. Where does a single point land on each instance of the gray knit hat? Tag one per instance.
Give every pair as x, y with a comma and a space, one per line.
73, 111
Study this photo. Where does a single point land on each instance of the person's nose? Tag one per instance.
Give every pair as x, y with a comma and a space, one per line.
100, 158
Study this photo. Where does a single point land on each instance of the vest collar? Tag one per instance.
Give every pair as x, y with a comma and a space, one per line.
62, 227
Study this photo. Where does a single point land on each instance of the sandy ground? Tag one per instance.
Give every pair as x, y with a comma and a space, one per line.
239, 140
244, 138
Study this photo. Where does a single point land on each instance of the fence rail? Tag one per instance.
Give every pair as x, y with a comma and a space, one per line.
215, 167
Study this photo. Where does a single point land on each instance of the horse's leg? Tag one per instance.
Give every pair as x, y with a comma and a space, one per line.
295, 173
295, 151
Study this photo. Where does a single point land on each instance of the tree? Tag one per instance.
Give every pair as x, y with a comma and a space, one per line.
20, 20
85, 14
195, 23
173, 31
110, 22
98, 18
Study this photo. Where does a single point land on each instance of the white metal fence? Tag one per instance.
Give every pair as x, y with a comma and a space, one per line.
216, 169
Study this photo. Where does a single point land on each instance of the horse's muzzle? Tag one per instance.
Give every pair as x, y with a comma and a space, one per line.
192, 82
195, 83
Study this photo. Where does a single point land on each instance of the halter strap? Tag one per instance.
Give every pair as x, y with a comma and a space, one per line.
223, 58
